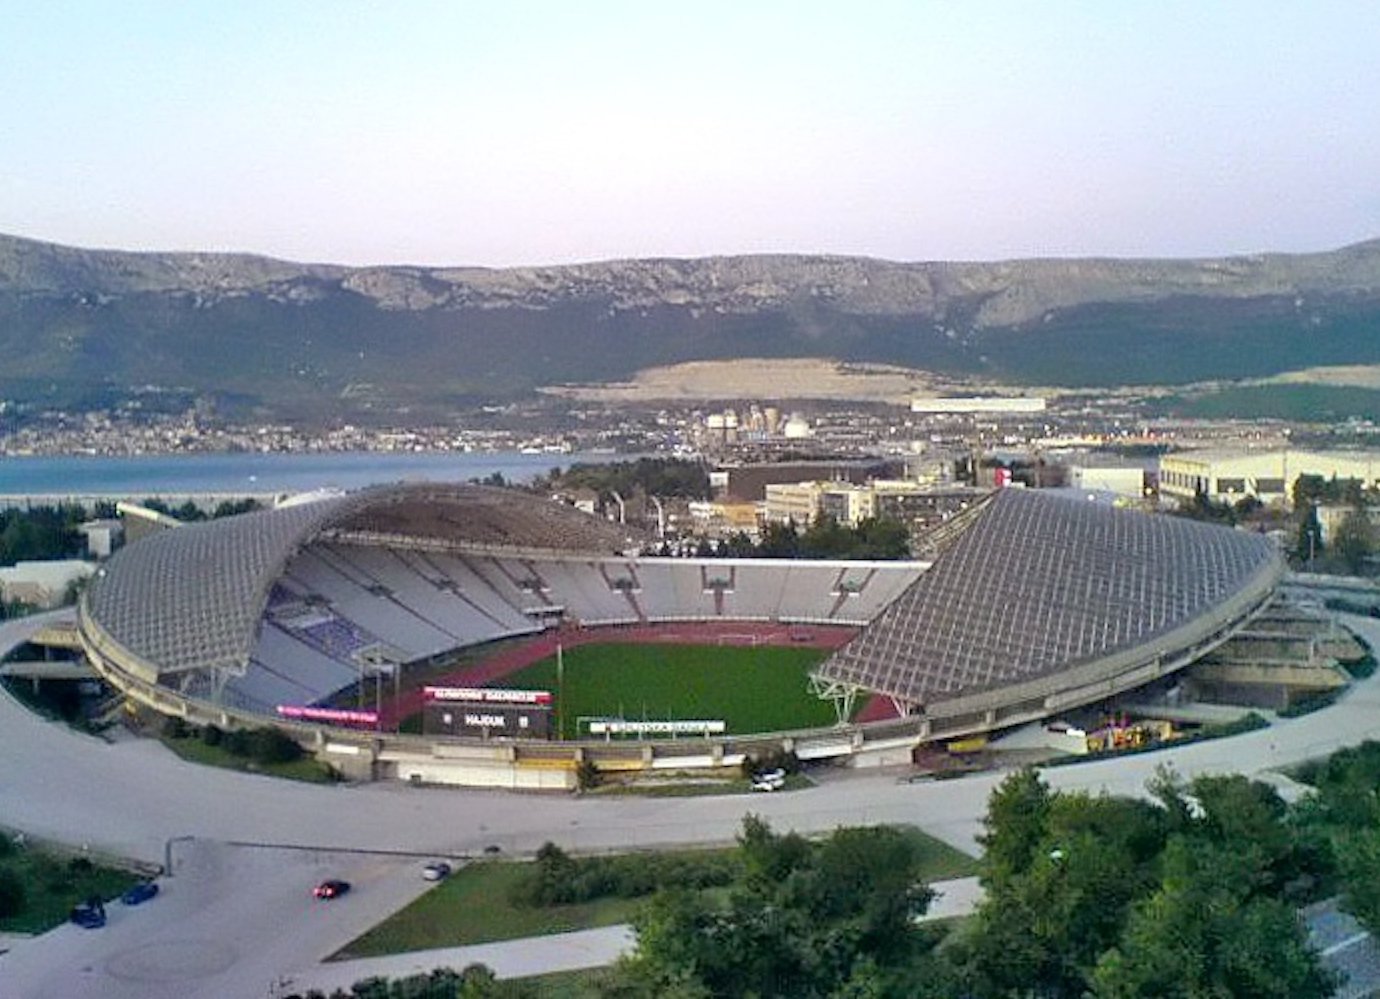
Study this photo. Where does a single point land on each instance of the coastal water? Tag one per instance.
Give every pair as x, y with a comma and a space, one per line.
245, 474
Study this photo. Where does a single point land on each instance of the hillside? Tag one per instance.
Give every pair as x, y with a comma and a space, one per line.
284, 340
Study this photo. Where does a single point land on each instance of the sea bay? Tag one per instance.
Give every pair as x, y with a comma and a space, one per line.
252, 474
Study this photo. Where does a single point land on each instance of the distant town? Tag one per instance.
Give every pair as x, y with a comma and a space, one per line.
750, 429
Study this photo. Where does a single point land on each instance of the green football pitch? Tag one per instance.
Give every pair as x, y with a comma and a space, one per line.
760, 688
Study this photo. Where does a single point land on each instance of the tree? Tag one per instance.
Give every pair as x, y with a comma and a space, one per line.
1016, 823
13, 896
1058, 895
1358, 860
809, 920
1354, 542
1204, 932
1310, 541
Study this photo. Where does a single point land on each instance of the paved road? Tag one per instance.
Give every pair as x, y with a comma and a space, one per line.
131, 797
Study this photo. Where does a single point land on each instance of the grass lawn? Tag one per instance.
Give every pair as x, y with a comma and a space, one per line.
938, 860
194, 750
471, 906
52, 882
752, 688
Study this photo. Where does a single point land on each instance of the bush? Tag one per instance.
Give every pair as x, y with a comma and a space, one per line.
1360, 668
587, 775
13, 897
211, 735
556, 878
269, 745
771, 759
175, 727
1310, 703
236, 742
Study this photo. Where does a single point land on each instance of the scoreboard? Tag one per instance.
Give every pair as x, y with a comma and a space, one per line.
487, 713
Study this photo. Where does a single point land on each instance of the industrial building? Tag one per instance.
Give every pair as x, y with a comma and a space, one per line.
1229, 476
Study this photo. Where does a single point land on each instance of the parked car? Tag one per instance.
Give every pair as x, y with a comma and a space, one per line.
769, 780
89, 914
140, 893
331, 888
437, 870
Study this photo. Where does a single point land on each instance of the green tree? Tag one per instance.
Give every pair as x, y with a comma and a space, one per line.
1358, 861
779, 541
1015, 826
1204, 933
13, 896
807, 920
1310, 540
1060, 898
1354, 542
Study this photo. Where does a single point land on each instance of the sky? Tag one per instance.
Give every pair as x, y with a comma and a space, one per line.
513, 132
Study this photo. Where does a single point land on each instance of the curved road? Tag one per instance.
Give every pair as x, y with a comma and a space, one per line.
132, 796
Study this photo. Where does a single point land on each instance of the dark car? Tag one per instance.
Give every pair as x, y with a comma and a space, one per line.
89, 914
139, 893
331, 888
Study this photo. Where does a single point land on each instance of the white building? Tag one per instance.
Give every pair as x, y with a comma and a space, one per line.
42, 584
1269, 476
969, 404
1123, 480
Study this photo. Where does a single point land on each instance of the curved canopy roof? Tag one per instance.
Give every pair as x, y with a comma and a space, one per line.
1037, 584
191, 598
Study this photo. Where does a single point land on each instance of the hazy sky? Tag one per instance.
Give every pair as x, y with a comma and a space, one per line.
524, 132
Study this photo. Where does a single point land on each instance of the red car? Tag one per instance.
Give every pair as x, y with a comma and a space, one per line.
332, 888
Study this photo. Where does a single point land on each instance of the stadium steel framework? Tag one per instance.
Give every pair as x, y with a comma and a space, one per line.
1041, 602
1035, 604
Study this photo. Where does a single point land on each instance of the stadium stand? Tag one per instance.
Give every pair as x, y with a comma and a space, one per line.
1038, 587
369, 605
1034, 603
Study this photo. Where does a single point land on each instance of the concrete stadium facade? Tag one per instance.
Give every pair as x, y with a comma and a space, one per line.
178, 622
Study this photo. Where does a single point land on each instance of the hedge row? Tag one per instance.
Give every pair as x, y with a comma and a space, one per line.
265, 745
556, 878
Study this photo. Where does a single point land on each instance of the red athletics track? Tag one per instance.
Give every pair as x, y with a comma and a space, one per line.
543, 646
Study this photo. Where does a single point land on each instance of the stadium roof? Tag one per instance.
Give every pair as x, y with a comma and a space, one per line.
1037, 584
191, 598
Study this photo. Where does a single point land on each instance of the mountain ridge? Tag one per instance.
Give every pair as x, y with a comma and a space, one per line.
272, 333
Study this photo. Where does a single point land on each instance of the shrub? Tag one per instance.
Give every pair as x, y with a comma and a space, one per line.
587, 775
13, 897
1360, 668
236, 742
771, 759
176, 727
1310, 703
556, 878
268, 745
211, 735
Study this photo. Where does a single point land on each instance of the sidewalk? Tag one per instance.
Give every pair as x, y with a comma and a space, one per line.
507, 958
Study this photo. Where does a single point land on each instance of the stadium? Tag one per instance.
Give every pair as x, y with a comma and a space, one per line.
324, 617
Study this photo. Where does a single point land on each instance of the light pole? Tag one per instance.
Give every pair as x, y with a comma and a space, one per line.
168, 852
